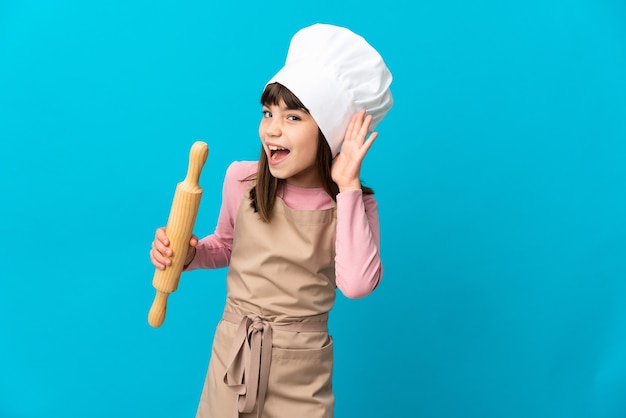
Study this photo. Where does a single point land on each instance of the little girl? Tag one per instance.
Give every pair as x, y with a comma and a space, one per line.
293, 227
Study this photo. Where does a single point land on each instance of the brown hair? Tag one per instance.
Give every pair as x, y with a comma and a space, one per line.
263, 194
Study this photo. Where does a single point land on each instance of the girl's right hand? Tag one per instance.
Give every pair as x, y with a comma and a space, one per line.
161, 253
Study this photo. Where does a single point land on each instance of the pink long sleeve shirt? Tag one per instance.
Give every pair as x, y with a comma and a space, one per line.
358, 268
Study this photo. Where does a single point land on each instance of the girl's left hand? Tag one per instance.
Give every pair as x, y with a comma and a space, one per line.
346, 167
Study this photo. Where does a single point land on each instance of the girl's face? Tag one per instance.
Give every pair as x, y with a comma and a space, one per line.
289, 138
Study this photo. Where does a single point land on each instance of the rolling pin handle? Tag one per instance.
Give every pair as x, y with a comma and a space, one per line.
197, 157
156, 316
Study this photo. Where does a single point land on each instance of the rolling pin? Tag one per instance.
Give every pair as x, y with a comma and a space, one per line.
179, 230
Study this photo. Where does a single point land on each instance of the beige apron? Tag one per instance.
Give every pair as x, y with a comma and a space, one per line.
272, 355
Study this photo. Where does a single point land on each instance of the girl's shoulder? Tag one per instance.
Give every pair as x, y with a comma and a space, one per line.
237, 180
241, 171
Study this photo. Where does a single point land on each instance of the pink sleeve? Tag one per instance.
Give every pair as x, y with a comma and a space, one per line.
213, 251
358, 268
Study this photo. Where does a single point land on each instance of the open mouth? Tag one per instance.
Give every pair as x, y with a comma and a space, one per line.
277, 153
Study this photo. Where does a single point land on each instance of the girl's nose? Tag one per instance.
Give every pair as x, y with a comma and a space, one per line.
273, 127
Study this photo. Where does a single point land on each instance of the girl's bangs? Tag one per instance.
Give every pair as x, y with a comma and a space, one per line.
275, 93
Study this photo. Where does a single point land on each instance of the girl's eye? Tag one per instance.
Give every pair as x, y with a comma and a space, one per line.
293, 117
267, 114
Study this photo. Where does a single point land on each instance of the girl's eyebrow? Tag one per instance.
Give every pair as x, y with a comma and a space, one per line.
287, 108
300, 109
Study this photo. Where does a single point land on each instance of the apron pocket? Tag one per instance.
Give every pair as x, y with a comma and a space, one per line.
325, 352
300, 381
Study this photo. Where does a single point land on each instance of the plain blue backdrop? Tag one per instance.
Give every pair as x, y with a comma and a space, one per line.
500, 174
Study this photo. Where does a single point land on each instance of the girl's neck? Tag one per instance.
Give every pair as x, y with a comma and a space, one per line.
304, 198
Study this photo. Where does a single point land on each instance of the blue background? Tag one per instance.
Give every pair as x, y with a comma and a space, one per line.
500, 174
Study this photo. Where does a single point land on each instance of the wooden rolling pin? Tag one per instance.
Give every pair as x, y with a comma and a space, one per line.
179, 230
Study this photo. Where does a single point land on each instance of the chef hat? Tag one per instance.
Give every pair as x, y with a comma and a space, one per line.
335, 73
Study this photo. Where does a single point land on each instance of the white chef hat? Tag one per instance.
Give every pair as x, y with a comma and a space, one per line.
335, 73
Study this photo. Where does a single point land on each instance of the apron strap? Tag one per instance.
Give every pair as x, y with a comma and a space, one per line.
248, 364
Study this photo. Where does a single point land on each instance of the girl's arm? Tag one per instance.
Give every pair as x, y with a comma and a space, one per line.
358, 268
357, 261
213, 251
